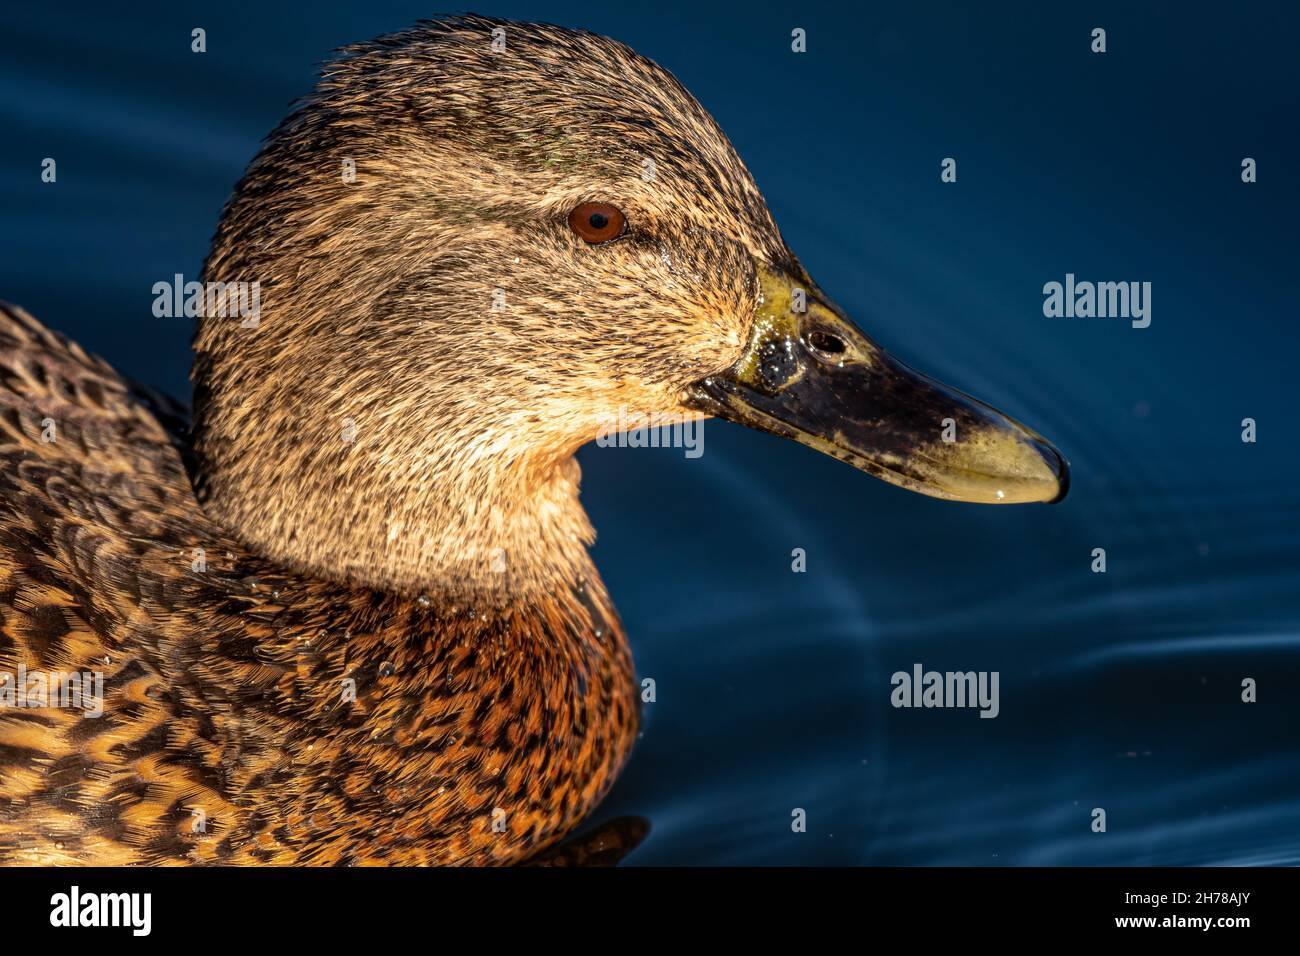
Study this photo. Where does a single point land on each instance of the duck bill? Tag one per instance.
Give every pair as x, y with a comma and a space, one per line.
810, 374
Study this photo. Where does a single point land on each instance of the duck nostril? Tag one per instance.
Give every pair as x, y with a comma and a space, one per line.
825, 342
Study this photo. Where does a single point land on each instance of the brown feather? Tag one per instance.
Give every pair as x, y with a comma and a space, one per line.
439, 559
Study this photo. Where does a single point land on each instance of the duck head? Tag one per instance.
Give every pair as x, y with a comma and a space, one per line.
477, 242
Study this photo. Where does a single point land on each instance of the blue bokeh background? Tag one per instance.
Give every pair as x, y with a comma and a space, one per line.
1118, 690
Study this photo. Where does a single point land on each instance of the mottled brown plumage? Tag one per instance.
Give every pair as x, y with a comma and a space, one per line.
369, 631
223, 687
437, 559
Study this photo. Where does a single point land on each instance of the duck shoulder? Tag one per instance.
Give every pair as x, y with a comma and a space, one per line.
245, 713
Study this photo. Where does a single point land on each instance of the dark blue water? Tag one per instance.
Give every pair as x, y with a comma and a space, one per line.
1120, 690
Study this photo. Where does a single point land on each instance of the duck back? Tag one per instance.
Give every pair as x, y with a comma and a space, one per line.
168, 697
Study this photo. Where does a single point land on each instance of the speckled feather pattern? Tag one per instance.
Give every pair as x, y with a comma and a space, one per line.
223, 689
438, 309
441, 303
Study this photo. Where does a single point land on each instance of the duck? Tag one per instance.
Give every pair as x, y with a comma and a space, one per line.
341, 610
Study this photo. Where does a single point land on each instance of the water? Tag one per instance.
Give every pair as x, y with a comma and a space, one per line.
1118, 690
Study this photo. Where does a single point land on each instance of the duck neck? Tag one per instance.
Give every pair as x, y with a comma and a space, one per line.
381, 506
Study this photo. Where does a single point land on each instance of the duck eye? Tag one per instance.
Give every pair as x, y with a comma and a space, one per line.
597, 222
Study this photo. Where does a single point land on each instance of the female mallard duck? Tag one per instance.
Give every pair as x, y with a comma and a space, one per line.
354, 620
